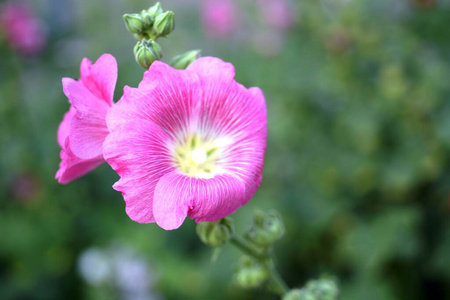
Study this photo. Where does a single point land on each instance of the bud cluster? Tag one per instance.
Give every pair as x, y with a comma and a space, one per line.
150, 24
147, 26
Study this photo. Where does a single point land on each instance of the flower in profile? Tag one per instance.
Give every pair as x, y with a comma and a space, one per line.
187, 143
219, 17
21, 29
83, 130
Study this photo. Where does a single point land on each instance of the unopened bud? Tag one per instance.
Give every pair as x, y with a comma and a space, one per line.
266, 229
155, 10
215, 233
182, 61
146, 52
134, 23
250, 274
164, 23
323, 289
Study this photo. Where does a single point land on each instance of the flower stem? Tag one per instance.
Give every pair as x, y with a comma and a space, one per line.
266, 260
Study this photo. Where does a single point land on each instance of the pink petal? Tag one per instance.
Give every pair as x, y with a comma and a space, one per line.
137, 151
100, 78
64, 127
231, 112
88, 127
165, 96
208, 67
177, 196
72, 167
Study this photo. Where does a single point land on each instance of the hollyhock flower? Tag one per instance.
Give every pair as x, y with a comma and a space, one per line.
187, 143
219, 17
21, 29
83, 129
277, 13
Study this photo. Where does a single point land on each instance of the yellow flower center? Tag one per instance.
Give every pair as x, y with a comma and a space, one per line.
197, 157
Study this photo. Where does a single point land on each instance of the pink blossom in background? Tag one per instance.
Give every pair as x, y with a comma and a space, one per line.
187, 143
219, 17
21, 29
83, 130
277, 13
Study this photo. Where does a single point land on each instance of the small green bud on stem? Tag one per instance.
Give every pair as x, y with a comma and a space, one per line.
164, 23
155, 10
215, 233
250, 274
146, 52
182, 61
267, 228
134, 23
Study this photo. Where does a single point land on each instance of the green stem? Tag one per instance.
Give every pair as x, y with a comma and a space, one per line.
266, 260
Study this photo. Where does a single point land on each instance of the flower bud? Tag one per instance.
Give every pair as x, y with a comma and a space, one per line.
323, 289
250, 274
215, 233
146, 52
164, 23
134, 23
182, 61
155, 10
266, 229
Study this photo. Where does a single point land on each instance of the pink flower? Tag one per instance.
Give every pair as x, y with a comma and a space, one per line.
277, 13
22, 30
187, 143
83, 130
219, 17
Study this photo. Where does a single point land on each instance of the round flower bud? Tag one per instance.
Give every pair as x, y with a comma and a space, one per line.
250, 274
155, 10
215, 233
324, 288
164, 23
134, 23
182, 61
146, 52
266, 229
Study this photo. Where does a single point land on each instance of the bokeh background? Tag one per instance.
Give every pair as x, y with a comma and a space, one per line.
358, 96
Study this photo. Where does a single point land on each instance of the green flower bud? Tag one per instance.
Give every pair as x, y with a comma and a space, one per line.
324, 288
164, 23
134, 23
182, 61
215, 233
250, 274
155, 10
146, 52
266, 229
147, 18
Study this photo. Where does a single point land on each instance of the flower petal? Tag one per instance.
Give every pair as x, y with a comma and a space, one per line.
72, 167
166, 97
138, 152
88, 127
177, 196
212, 67
64, 127
100, 78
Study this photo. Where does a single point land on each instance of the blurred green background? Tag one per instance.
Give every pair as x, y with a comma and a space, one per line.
358, 96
